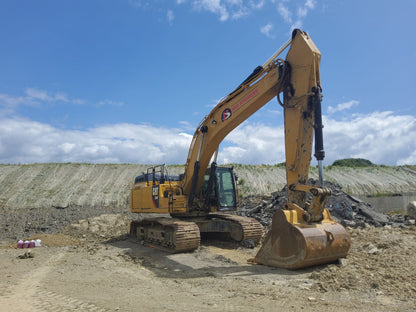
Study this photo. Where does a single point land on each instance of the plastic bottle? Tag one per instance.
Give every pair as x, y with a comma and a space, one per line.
32, 244
26, 244
20, 244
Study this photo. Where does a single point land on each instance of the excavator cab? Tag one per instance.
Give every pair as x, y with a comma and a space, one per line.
219, 189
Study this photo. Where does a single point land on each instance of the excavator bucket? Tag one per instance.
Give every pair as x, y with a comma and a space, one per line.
295, 245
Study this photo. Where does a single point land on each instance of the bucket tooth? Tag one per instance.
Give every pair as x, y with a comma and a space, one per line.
299, 245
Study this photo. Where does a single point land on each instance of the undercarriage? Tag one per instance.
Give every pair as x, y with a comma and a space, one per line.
181, 235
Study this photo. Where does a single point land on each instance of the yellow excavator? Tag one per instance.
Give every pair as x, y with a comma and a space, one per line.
200, 200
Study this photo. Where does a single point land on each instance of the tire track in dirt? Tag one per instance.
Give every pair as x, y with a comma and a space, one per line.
30, 295
50, 301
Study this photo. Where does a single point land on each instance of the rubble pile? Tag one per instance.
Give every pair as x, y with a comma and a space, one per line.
344, 208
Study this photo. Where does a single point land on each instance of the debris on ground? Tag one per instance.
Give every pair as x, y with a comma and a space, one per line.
106, 226
344, 208
411, 209
27, 255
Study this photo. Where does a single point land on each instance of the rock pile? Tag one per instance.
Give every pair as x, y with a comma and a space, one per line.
411, 209
344, 208
107, 226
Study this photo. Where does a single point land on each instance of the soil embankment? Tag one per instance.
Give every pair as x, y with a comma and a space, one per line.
47, 197
107, 185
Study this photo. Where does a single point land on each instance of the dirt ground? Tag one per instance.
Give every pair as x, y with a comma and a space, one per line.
92, 265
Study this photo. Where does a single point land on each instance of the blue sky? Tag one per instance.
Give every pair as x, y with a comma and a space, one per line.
128, 81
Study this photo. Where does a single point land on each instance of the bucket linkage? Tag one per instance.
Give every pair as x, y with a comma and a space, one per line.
300, 237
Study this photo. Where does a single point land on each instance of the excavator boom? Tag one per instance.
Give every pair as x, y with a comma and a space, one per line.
256, 91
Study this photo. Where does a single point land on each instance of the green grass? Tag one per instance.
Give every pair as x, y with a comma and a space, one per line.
397, 212
411, 167
383, 194
353, 163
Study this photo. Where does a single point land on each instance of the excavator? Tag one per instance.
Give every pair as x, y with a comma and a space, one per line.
202, 200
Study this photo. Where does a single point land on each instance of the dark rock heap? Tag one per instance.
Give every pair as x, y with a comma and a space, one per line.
344, 208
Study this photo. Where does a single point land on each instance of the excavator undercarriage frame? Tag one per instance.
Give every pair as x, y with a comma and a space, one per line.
182, 235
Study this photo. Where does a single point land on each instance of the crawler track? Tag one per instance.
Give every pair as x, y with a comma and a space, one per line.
169, 234
176, 235
243, 227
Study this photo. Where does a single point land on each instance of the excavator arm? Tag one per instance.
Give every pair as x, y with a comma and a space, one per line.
303, 118
298, 77
302, 234
265, 83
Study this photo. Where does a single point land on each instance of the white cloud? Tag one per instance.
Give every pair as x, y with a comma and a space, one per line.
34, 97
66, 147
266, 30
42, 95
240, 13
187, 126
78, 102
274, 112
38, 94
228, 9
139, 3
382, 137
170, 16
27, 141
110, 103
302, 12
37, 97
295, 12
8, 104
411, 159
342, 106
232, 155
234, 2
310, 4
285, 12
213, 6
257, 4
298, 24
254, 144
292, 11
